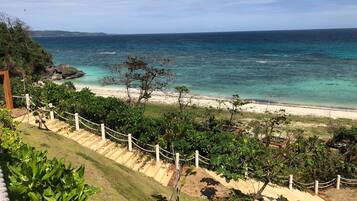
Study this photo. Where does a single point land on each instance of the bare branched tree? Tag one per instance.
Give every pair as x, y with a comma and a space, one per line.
234, 106
136, 73
183, 100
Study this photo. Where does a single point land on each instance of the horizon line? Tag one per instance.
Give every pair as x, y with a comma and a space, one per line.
204, 32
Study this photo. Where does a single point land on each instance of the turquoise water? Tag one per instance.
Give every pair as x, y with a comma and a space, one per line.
303, 67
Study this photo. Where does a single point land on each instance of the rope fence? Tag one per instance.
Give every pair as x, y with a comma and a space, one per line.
62, 117
166, 157
142, 148
115, 136
348, 181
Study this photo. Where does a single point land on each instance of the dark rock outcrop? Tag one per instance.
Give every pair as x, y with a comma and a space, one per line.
63, 71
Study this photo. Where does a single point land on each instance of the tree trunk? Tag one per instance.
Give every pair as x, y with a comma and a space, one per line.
231, 119
128, 93
260, 191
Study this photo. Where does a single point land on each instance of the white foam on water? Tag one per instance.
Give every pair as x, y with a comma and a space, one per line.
110, 53
262, 62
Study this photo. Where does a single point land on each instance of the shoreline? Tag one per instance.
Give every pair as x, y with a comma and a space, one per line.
170, 98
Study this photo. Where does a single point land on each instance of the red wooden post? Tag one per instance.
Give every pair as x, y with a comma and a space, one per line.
7, 89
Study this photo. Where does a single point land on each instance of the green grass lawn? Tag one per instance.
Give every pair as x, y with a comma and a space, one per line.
312, 125
115, 181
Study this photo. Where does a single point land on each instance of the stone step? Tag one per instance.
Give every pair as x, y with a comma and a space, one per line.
230, 184
136, 158
83, 141
146, 166
20, 118
72, 135
141, 163
115, 153
132, 160
102, 143
51, 123
123, 158
101, 149
132, 157
162, 172
166, 179
153, 169
79, 136
29, 119
83, 137
65, 131
57, 126
95, 140
110, 147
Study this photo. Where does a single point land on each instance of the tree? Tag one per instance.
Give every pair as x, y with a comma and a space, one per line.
270, 125
19, 53
235, 106
136, 73
182, 92
244, 154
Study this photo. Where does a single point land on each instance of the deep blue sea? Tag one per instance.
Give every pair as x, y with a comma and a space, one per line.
316, 67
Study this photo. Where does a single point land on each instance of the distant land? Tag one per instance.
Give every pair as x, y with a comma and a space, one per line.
64, 34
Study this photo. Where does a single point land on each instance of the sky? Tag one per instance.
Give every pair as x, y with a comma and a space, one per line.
178, 16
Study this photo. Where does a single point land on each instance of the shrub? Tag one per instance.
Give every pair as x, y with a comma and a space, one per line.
30, 175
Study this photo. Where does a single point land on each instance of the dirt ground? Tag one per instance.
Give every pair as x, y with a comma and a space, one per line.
340, 195
16, 112
202, 185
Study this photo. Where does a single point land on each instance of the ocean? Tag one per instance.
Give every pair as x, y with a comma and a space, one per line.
312, 67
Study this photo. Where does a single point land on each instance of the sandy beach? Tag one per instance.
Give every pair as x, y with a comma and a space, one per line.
216, 102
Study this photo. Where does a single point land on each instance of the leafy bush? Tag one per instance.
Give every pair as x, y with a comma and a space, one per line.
5, 119
30, 175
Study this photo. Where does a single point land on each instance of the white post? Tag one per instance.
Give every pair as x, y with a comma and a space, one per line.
102, 129
157, 151
52, 114
130, 146
76, 121
291, 182
338, 182
196, 159
28, 103
177, 161
316, 187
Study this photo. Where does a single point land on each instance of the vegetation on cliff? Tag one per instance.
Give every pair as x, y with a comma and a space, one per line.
19, 53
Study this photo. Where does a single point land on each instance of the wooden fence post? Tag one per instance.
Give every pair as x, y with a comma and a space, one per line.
76, 121
130, 145
28, 103
102, 129
177, 161
52, 114
157, 152
316, 187
338, 182
291, 182
196, 159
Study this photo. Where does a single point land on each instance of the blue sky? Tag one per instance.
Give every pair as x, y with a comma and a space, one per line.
174, 16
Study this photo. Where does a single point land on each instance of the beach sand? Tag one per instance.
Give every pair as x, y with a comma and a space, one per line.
206, 101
